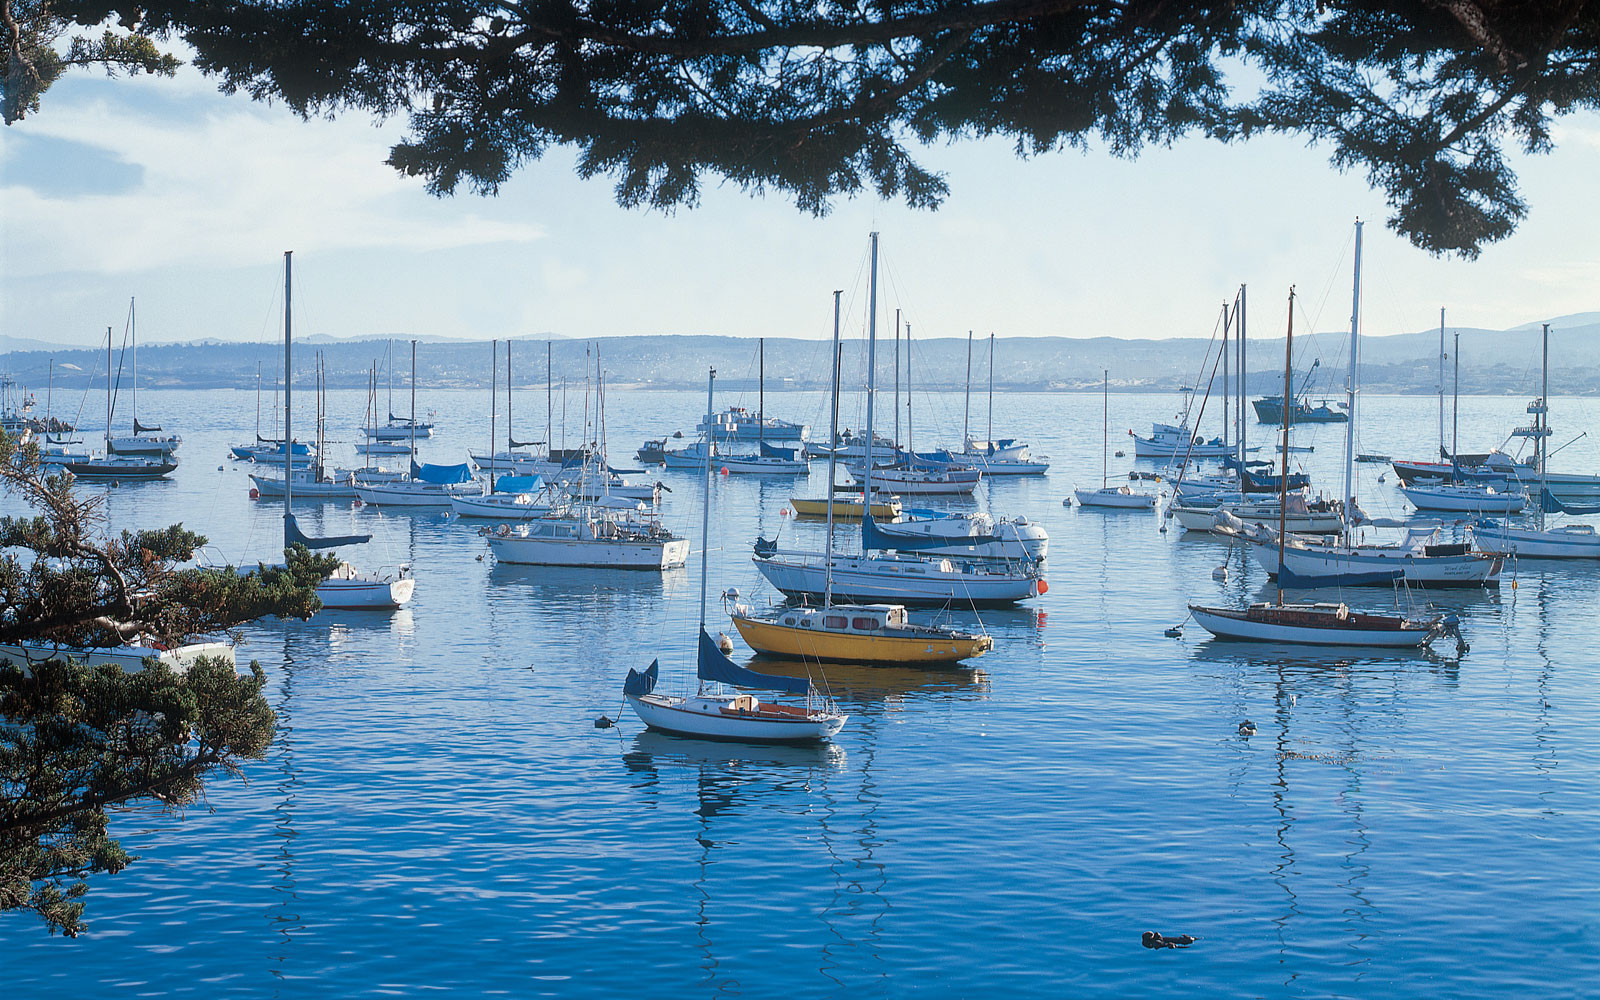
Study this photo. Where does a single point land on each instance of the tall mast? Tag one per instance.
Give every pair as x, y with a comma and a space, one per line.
833, 458
872, 371
1455, 409
966, 405
1226, 429
1441, 378
133, 326
511, 442
989, 434
108, 392
761, 394
1244, 389
413, 403
1543, 423
705, 507
911, 436
288, 410
388, 362
494, 371
897, 381
549, 404
1349, 503
1283, 464
258, 402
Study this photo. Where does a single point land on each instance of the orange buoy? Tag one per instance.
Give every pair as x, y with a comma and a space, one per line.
1044, 588
724, 470
784, 512
255, 494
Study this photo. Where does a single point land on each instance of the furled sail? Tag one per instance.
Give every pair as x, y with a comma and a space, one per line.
640, 684
1550, 505
292, 535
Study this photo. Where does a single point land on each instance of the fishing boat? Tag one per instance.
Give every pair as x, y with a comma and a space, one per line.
1108, 496
1175, 441
711, 713
1574, 540
736, 424
1315, 624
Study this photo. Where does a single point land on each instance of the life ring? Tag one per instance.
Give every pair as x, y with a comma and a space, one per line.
503, 530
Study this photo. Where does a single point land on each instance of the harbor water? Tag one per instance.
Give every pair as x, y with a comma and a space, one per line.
440, 816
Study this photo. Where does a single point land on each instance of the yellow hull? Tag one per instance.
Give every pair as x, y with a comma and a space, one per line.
813, 644
849, 510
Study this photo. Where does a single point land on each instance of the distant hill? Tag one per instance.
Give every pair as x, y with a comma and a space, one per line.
1492, 361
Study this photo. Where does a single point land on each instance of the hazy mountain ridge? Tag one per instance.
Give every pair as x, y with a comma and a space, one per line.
1492, 361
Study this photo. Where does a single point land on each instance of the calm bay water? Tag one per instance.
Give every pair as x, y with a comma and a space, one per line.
439, 815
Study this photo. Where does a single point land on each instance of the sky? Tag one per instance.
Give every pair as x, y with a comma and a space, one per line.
166, 191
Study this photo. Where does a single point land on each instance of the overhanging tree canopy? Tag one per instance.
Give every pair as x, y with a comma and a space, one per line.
823, 99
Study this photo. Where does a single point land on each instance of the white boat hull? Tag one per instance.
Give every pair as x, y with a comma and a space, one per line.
360, 593
1376, 565
1467, 501
304, 489
411, 493
705, 718
1205, 519
499, 506
1570, 542
1115, 497
129, 658
898, 580
594, 553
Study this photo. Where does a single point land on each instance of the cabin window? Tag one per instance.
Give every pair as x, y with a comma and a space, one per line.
788, 621
865, 624
837, 621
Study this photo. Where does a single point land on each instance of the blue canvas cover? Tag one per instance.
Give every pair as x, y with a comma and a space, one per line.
873, 537
1550, 505
640, 684
769, 451
1289, 578
292, 535
714, 666
441, 475
518, 484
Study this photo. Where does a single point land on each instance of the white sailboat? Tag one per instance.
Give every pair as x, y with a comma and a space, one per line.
768, 460
145, 441
108, 464
1108, 496
893, 577
710, 713
1316, 624
1574, 540
1006, 457
428, 485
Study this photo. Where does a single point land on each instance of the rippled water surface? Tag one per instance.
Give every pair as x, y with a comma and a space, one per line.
438, 813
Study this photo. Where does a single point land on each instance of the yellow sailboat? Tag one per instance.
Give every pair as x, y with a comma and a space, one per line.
887, 511
859, 633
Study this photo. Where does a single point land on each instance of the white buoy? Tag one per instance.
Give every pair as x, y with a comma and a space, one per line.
1220, 574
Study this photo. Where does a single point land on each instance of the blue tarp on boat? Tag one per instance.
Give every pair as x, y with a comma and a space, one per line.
641, 684
1289, 578
442, 475
769, 451
714, 666
518, 484
874, 537
1550, 505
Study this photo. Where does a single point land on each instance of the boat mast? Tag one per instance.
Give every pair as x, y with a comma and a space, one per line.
966, 407
705, 518
1348, 506
990, 433
872, 382
897, 381
494, 371
911, 451
288, 439
761, 395
1225, 380
258, 402
1441, 378
511, 442
1283, 462
549, 404
1244, 424
1455, 412
1543, 421
833, 458
133, 327
108, 392
413, 403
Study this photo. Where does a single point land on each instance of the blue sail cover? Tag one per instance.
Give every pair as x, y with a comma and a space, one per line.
1550, 505
518, 484
640, 684
441, 475
1289, 578
292, 535
769, 451
874, 537
714, 666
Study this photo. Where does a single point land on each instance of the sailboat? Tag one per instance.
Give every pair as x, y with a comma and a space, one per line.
109, 464
428, 485
1574, 540
898, 577
1421, 559
769, 460
347, 587
311, 481
710, 714
1121, 497
1315, 624
399, 428
867, 633
1006, 457
270, 450
144, 440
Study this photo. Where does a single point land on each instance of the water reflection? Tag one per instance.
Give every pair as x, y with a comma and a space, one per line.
872, 684
285, 918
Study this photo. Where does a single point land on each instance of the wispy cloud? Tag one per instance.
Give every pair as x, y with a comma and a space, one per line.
231, 185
